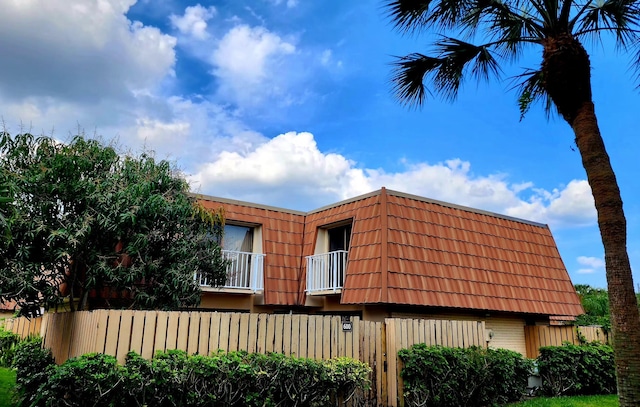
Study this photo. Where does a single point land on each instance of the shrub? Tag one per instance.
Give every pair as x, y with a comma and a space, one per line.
8, 342
439, 376
240, 379
94, 379
33, 366
577, 370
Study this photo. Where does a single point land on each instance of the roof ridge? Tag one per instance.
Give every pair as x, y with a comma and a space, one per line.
369, 195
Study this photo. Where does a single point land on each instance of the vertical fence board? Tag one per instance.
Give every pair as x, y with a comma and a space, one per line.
295, 335
277, 347
286, 334
224, 332
234, 332
194, 333
183, 331
261, 345
149, 335
137, 331
214, 336
113, 330
101, 334
124, 336
172, 330
243, 343
304, 335
254, 329
271, 333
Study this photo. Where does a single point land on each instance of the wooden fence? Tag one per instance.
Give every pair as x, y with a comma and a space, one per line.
538, 336
319, 337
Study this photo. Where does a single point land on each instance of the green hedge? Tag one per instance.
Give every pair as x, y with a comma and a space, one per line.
173, 378
439, 376
33, 368
577, 370
8, 342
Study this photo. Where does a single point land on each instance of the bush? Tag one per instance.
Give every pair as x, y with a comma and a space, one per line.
173, 378
8, 343
33, 366
439, 376
577, 370
89, 380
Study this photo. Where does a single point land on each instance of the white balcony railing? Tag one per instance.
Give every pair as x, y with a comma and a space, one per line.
325, 272
245, 271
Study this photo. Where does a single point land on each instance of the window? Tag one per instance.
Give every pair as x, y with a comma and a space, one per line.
238, 238
327, 267
339, 238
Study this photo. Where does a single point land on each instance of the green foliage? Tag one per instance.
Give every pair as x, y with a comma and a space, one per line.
33, 366
595, 302
439, 376
173, 378
89, 380
577, 370
7, 386
8, 343
92, 220
576, 401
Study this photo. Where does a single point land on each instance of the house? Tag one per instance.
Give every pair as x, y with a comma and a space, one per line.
7, 309
391, 254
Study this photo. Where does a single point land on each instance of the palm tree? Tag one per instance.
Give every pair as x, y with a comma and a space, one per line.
505, 30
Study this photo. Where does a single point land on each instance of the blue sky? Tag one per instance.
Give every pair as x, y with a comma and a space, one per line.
288, 103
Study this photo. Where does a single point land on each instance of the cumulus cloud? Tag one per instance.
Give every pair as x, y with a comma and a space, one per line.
246, 61
290, 170
194, 21
571, 205
79, 50
591, 264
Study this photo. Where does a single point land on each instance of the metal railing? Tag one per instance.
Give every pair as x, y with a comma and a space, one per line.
245, 271
325, 272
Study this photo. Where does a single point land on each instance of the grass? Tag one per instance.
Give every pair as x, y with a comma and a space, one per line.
7, 382
578, 401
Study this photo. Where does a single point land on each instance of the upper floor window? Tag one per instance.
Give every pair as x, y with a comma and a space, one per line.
339, 238
238, 238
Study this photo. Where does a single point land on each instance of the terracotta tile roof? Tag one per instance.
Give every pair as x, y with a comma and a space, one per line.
416, 251
8, 306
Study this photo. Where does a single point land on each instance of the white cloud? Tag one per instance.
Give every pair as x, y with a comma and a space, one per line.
291, 171
79, 50
592, 264
572, 205
289, 3
194, 21
249, 61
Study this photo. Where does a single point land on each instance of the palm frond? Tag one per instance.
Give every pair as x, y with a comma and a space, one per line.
530, 90
458, 54
502, 16
620, 16
408, 77
445, 72
408, 15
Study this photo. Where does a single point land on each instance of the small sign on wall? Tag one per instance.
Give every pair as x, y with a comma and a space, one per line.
347, 325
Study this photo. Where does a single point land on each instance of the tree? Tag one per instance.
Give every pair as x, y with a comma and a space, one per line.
505, 30
5, 206
595, 302
97, 228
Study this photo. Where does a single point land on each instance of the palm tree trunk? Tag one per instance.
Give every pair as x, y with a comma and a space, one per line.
625, 319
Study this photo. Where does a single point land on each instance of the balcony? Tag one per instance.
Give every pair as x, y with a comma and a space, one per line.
244, 272
325, 272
